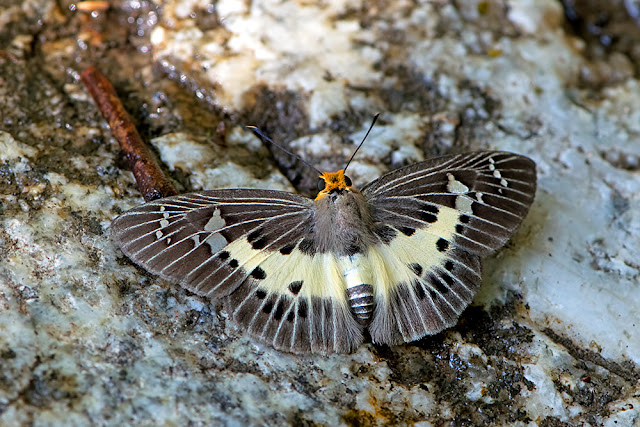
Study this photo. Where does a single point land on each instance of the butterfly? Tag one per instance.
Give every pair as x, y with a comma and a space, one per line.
397, 260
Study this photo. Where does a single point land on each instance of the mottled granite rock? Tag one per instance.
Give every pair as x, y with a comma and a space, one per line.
86, 338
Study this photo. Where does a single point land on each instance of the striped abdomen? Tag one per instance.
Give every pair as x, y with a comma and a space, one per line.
361, 302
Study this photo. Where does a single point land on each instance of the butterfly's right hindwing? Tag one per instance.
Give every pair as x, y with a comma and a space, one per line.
243, 244
446, 214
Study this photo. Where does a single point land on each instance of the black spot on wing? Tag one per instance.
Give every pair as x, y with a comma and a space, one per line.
261, 294
464, 219
448, 265
416, 268
431, 208
442, 244
427, 217
233, 263
295, 287
407, 231
258, 273
260, 243
257, 239
288, 248
447, 279
428, 213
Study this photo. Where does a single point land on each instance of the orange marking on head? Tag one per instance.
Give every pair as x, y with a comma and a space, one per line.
333, 180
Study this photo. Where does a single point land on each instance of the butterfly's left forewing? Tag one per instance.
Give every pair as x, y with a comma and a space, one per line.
445, 214
186, 238
243, 244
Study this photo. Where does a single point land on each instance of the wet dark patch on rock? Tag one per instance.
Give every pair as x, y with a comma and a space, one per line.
433, 361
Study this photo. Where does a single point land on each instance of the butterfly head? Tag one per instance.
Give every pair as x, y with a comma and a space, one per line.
333, 182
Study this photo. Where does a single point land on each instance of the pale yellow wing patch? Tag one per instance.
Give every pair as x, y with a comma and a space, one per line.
389, 263
321, 273
421, 282
295, 302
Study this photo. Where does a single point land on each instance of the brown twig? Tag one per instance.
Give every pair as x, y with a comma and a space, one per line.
152, 182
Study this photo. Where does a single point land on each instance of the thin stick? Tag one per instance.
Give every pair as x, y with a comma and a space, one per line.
152, 182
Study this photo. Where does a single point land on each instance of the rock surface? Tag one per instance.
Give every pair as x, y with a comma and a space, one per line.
87, 338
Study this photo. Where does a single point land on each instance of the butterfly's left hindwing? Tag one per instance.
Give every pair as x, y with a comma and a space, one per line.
243, 244
446, 213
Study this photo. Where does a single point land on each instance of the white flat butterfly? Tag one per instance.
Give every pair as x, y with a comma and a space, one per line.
399, 259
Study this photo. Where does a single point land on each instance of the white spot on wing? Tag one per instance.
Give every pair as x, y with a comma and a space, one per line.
216, 241
455, 186
158, 234
479, 197
503, 182
497, 174
164, 223
463, 204
216, 222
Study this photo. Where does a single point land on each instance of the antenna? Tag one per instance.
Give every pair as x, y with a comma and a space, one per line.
373, 122
264, 137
